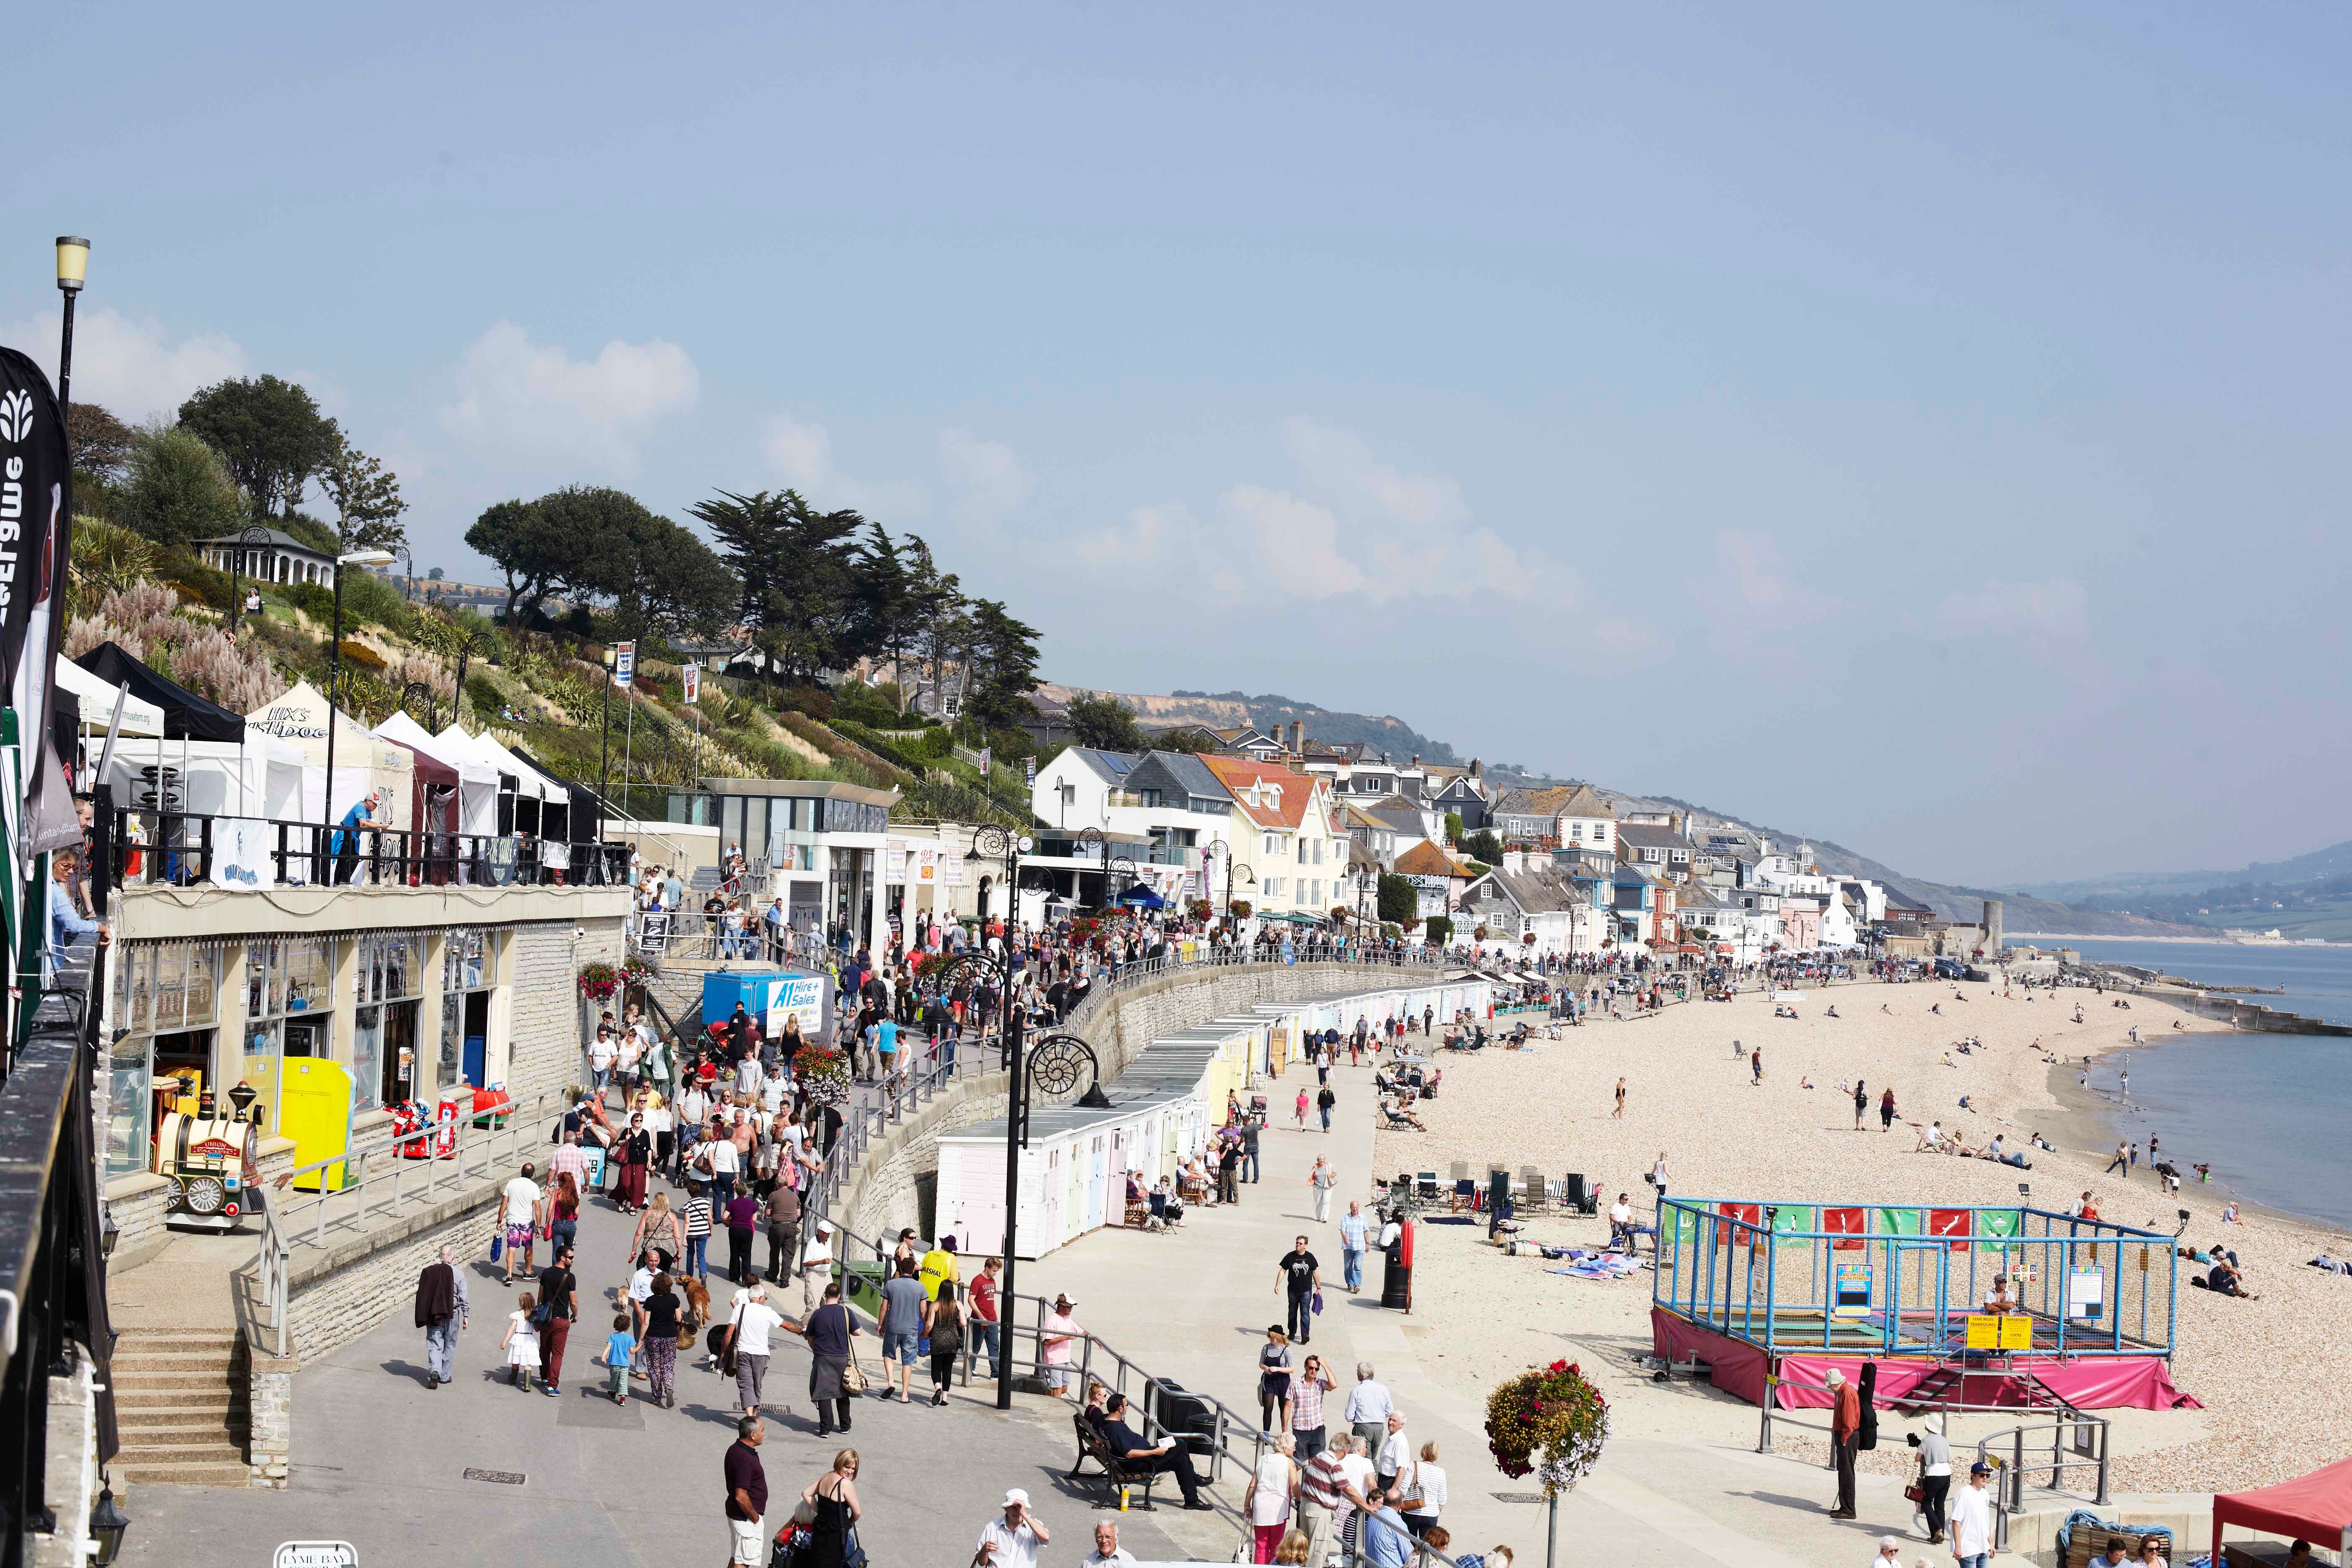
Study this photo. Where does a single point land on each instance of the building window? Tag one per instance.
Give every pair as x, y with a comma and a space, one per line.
390, 982
164, 995
289, 1010
1274, 887
468, 971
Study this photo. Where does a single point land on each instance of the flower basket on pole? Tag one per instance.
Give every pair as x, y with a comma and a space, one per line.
1552, 1422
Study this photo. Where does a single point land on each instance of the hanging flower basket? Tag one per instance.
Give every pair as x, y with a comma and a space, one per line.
825, 1071
635, 973
598, 981
1552, 1422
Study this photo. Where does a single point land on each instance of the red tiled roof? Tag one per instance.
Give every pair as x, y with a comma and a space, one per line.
1238, 774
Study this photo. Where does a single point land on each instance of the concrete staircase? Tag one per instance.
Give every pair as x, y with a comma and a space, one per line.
179, 1401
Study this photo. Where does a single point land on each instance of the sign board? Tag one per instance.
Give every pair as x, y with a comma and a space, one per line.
1849, 1290
2085, 1293
2000, 1331
1029, 771
655, 936
625, 663
986, 752
690, 681
316, 1554
927, 865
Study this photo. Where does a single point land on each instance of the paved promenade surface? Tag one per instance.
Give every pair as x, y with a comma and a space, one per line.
380, 1461
1194, 1305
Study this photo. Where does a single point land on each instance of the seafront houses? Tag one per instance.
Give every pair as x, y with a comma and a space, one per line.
1376, 837
1459, 793
1168, 804
1529, 904
1662, 849
1437, 879
1560, 814
1285, 830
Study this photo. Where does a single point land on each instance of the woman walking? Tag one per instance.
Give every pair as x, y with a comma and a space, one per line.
1307, 1394
1322, 1178
1886, 1112
635, 1152
1267, 1501
1274, 1381
943, 1321
833, 1498
662, 1325
1861, 1102
564, 1211
658, 1228
1619, 1114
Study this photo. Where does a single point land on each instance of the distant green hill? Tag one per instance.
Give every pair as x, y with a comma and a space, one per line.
1271, 711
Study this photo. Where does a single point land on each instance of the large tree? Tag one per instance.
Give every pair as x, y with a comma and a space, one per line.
1105, 724
676, 583
101, 443
366, 497
178, 490
1003, 655
269, 433
798, 568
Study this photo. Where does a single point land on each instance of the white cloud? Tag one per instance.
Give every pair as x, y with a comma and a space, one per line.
802, 457
535, 399
2054, 611
132, 367
990, 477
1147, 533
1367, 528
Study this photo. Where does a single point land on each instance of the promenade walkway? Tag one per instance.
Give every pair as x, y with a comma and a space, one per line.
1194, 1304
381, 1462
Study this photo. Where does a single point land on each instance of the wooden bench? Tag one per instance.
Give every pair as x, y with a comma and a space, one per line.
1117, 1473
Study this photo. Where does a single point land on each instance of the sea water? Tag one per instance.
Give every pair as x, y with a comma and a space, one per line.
2272, 1113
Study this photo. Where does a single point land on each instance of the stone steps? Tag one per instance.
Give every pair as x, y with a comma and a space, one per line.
180, 1402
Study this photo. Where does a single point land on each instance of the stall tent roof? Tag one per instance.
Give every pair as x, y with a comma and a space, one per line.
186, 716
2316, 1507
403, 731
97, 696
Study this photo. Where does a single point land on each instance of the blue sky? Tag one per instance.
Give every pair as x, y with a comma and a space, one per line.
1916, 430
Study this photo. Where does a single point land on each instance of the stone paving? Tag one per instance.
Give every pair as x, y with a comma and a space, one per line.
381, 1462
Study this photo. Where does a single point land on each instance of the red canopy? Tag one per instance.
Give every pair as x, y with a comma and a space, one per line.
2316, 1507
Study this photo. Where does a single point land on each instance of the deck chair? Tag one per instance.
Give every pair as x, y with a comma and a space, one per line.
1537, 1194
1425, 1186
1581, 1198
1466, 1194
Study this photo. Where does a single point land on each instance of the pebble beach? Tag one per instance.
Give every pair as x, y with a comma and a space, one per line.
2271, 1371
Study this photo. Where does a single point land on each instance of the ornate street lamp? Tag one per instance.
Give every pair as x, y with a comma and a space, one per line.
489, 646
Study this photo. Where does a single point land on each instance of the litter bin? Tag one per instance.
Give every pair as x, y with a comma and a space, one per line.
1396, 1277
861, 1285
1186, 1415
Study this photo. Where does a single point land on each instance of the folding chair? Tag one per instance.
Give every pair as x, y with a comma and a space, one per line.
1539, 1194
1425, 1186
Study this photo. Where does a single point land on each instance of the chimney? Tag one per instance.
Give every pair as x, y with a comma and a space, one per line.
1416, 759
1299, 737
1473, 767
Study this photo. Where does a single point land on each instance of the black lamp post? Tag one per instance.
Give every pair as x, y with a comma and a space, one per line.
993, 843
253, 537
335, 654
73, 267
605, 750
432, 708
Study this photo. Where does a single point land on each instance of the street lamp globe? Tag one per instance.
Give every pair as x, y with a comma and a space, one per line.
73, 262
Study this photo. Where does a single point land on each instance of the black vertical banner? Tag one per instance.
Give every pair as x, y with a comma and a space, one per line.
36, 544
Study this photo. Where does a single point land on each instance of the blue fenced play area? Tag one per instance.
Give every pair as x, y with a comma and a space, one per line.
1904, 1280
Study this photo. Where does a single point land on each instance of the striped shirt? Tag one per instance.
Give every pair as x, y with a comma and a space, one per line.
1320, 1479
697, 1216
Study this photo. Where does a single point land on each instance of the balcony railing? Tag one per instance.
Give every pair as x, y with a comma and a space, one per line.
151, 848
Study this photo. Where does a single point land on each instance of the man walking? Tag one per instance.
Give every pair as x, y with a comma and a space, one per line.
1352, 1232
1013, 1540
441, 1309
1369, 1406
902, 1325
559, 1292
747, 1495
1252, 1125
1299, 1276
1324, 1101
784, 1213
749, 1325
1845, 1437
984, 1311
1973, 1520
520, 1214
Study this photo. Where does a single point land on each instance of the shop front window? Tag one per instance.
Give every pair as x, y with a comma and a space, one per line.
469, 966
388, 981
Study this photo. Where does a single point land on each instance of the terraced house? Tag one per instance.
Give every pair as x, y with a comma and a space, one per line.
1287, 833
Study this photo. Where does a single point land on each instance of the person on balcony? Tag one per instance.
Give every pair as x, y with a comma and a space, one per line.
345, 845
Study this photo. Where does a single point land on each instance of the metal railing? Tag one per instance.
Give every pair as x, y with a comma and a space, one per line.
182, 849
270, 1268
2087, 1435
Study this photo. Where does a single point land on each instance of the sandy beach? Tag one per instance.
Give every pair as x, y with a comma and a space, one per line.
2270, 1372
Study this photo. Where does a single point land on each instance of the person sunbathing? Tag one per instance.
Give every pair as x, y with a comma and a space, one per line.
2225, 1280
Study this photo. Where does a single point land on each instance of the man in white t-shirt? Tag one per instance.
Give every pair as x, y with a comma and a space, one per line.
1011, 1542
816, 1265
1356, 1468
773, 1089
1972, 1522
747, 1326
601, 1053
725, 1162
1621, 1222
518, 1213
1396, 1451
